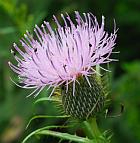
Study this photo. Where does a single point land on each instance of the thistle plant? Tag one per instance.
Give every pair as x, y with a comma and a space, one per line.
68, 61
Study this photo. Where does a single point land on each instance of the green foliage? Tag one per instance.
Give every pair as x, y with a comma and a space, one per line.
44, 116
127, 90
62, 136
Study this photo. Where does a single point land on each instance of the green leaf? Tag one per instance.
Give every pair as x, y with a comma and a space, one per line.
38, 130
47, 99
65, 136
44, 116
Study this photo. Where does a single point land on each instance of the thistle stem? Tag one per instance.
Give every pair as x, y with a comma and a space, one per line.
92, 129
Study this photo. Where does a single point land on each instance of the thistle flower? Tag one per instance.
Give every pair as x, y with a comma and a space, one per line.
63, 55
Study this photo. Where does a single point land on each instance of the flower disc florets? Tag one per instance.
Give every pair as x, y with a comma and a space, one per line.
59, 56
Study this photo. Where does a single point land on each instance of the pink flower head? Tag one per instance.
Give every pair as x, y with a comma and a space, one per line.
60, 56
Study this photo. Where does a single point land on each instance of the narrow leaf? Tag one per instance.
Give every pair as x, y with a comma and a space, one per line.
47, 99
45, 116
65, 136
38, 130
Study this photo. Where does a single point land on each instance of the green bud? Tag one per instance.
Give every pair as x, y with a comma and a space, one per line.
87, 101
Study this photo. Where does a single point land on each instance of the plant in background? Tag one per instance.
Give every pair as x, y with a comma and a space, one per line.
68, 61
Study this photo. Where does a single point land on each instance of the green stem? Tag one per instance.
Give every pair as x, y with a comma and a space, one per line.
92, 130
94, 127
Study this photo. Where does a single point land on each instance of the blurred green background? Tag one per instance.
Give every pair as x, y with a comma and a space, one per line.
16, 16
